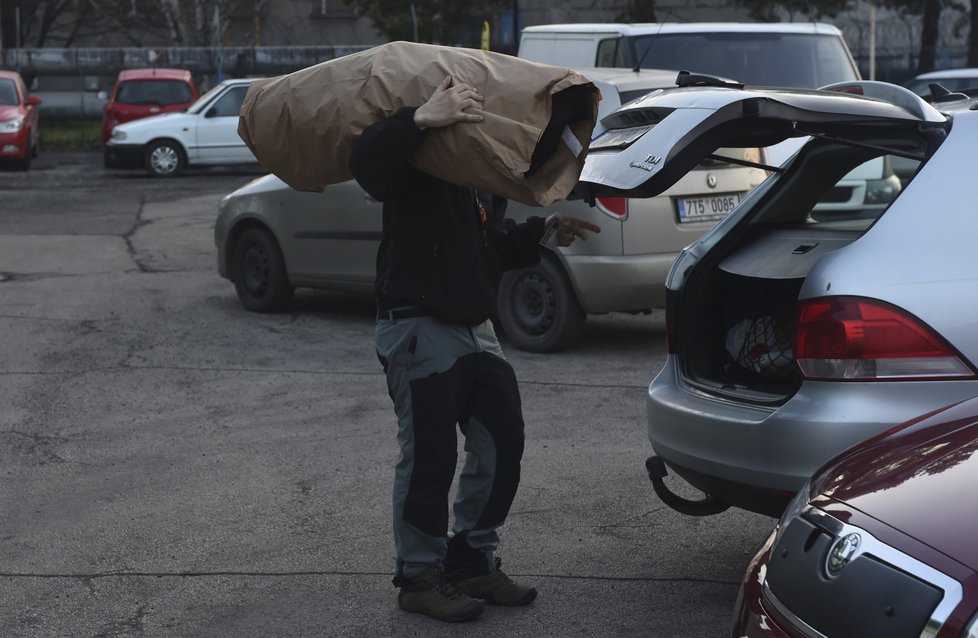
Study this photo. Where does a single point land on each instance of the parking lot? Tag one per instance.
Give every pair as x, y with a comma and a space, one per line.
173, 465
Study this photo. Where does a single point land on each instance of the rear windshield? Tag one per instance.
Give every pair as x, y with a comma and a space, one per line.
162, 92
758, 59
8, 93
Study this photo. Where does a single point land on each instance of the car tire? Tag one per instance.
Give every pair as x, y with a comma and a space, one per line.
164, 158
538, 308
259, 272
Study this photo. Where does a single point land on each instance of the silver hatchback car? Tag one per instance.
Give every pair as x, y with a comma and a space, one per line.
795, 332
272, 239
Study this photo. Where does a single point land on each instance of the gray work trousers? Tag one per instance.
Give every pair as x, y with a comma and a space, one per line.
440, 375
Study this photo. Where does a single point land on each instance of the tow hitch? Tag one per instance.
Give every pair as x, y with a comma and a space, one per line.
706, 506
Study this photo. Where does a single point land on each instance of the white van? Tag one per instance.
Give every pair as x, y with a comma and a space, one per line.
801, 55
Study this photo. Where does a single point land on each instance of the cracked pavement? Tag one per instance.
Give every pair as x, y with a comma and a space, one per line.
172, 465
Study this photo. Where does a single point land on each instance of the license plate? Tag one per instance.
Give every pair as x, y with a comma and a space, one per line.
705, 209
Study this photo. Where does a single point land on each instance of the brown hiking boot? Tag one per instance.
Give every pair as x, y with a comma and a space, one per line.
495, 588
431, 594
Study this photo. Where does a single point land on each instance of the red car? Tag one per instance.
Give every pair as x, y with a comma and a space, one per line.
18, 121
881, 543
139, 93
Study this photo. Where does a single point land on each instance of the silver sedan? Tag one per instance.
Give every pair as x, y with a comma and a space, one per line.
796, 332
272, 239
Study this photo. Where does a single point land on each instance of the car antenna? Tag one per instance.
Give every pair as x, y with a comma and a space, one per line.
638, 67
938, 93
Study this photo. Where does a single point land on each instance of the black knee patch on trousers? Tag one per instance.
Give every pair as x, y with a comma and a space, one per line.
496, 404
479, 385
433, 415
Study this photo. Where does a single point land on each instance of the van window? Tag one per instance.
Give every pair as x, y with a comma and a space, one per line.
798, 60
610, 53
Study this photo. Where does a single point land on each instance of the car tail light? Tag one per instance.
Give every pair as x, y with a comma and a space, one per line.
852, 89
857, 339
616, 207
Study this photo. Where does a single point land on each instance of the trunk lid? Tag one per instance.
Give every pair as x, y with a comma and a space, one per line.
733, 295
649, 144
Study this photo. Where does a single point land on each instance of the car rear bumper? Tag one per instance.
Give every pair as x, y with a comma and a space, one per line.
619, 283
777, 448
123, 156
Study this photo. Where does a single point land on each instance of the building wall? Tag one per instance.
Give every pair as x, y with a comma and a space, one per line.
301, 22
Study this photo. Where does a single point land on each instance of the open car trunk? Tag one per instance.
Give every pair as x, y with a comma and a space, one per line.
734, 331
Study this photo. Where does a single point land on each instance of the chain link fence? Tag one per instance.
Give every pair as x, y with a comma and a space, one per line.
898, 42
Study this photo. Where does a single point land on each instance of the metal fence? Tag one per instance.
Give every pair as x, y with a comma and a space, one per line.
204, 61
72, 82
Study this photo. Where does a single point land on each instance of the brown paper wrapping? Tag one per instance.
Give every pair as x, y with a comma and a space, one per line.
301, 126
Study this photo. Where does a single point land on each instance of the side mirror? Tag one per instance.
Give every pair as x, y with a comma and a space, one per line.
33, 100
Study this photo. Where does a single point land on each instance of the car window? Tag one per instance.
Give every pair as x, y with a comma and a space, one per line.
628, 96
758, 59
162, 92
230, 103
8, 93
860, 196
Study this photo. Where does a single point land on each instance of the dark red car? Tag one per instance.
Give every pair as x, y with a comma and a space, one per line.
881, 543
19, 116
139, 93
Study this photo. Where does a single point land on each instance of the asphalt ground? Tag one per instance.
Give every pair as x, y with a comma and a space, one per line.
173, 465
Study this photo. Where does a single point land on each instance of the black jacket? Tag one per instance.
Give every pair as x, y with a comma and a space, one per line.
439, 251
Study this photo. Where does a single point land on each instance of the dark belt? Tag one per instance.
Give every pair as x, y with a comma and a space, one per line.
403, 313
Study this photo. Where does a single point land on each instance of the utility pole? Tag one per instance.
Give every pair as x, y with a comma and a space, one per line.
872, 41
257, 7
516, 26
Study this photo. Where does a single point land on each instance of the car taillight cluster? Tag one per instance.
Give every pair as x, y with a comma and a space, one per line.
615, 207
859, 339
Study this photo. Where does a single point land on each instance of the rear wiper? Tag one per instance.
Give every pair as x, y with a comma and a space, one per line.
685, 78
873, 147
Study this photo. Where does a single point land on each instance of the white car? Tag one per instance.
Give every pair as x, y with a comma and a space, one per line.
205, 134
950, 79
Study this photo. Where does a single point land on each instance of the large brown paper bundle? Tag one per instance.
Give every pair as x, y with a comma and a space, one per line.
530, 147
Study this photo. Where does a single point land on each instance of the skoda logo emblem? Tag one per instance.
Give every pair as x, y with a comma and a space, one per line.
841, 553
711, 180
